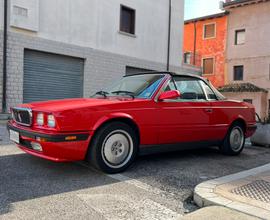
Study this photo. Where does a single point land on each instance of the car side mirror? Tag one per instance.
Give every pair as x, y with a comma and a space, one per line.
173, 94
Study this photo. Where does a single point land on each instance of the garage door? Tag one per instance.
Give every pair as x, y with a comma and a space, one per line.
50, 76
133, 70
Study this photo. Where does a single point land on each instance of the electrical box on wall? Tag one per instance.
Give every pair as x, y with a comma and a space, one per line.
24, 14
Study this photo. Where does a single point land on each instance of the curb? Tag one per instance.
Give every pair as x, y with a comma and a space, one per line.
204, 194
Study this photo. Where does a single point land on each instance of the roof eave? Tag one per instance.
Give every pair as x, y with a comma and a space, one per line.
240, 3
208, 17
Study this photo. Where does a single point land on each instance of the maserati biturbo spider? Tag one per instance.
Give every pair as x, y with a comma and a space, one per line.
139, 114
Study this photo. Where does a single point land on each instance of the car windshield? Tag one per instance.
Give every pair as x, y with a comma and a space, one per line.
139, 86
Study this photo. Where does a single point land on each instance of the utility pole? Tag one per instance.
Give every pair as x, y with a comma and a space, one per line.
169, 35
4, 104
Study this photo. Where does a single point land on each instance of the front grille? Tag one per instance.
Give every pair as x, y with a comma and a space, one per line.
22, 116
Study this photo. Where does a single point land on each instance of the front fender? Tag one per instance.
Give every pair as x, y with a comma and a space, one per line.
112, 116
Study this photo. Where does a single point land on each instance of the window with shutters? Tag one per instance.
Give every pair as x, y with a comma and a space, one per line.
248, 100
127, 20
240, 37
269, 109
208, 66
238, 73
209, 31
187, 58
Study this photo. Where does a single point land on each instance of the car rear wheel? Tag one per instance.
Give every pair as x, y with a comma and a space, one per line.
113, 148
234, 141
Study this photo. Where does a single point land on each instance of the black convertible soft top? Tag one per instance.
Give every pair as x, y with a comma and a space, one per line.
165, 72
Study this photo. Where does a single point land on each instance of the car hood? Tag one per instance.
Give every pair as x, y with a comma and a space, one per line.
68, 104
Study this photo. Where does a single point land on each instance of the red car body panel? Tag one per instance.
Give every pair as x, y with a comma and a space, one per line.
158, 123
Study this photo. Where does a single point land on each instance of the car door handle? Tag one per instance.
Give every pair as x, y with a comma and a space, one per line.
208, 110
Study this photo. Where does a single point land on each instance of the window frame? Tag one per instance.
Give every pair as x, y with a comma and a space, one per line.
269, 72
269, 107
185, 53
133, 24
219, 96
234, 67
204, 28
200, 81
213, 72
206, 95
248, 100
236, 36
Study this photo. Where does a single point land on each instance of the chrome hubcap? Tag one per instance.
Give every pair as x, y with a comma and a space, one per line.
236, 138
117, 149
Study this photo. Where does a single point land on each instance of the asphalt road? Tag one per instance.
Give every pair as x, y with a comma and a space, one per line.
155, 187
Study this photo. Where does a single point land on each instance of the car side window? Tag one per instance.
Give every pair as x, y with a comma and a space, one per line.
190, 89
209, 92
170, 86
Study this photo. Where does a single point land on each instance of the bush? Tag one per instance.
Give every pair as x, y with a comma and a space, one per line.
266, 120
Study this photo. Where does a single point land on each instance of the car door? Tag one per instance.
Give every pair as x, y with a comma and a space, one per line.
187, 118
219, 118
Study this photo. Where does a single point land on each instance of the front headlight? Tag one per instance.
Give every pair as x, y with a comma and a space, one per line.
51, 121
40, 119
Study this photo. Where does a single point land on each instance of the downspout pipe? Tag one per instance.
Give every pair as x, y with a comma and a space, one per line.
195, 43
169, 36
4, 94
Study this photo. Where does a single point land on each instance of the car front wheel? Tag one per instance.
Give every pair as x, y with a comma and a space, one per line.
234, 141
113, 148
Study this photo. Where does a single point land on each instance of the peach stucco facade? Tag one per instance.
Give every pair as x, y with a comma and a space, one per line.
195, 43
258, 100
254, 53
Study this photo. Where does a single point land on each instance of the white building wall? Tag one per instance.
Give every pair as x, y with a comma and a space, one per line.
1, 14
95, 24
89, 29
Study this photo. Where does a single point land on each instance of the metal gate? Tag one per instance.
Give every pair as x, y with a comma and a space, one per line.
50, 76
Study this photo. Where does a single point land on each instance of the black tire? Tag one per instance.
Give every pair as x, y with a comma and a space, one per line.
101, 146
229, 148
253, 144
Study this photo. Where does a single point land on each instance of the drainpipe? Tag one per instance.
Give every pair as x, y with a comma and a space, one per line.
169, 35
4, 104
195, 43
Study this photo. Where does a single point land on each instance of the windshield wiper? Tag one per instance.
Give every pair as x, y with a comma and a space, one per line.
103, 93
125, 92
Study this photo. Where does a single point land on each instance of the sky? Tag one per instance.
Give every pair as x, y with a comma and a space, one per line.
198, 8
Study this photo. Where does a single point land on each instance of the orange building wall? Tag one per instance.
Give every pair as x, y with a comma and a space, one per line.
205, 48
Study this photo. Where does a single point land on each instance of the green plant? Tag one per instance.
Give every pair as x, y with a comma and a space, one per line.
266, 120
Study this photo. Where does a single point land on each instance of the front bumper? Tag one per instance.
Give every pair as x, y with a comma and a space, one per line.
57, 147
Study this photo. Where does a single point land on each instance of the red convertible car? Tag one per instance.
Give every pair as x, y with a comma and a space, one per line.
140, 114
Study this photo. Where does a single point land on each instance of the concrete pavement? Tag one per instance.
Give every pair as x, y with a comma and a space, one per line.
217, 212
155, 187
247, 192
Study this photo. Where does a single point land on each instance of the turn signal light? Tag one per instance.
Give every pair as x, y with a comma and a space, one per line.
70, 138
41, 139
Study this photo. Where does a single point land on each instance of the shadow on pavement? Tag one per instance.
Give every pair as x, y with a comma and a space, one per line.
23, 177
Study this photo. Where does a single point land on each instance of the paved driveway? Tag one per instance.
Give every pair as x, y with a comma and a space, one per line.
155, 187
